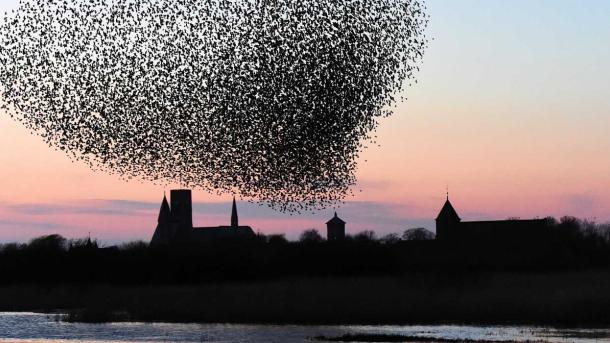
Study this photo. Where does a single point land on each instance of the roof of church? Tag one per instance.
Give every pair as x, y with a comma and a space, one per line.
215, 232
507, 221
164, 212
448, 211
222, 227
335, 220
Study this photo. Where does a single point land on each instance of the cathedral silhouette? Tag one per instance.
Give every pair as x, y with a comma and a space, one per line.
175, 223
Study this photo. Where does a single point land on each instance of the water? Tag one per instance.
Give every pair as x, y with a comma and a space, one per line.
36, 327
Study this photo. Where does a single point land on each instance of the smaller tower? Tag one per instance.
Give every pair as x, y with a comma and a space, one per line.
447, 221
234, 218
335, 229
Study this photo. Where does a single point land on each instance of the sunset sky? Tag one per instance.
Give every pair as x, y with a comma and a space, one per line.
512, 111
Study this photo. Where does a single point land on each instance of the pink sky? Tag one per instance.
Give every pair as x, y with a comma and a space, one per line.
515, 123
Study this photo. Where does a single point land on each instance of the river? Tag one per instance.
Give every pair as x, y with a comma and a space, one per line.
37, 327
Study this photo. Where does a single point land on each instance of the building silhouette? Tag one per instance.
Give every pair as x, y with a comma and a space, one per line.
175, 223
335, 229
450, 227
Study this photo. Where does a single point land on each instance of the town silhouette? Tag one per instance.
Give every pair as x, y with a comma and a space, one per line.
505, 271
175, 229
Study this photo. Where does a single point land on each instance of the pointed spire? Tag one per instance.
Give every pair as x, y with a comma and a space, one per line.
335, 220
164, 211
234, 219
448, 212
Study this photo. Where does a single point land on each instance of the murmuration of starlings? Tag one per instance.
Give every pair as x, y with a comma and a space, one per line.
272, 100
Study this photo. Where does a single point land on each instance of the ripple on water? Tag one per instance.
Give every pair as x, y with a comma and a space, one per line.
37, 327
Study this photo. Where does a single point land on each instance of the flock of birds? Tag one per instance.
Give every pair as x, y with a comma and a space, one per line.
269, 99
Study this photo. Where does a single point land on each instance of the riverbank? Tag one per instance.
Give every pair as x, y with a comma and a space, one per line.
558, 298
388, 338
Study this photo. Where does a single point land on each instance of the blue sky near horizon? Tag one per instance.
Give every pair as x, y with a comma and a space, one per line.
511, 109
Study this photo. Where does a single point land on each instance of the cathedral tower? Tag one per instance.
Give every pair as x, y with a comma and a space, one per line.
182, 212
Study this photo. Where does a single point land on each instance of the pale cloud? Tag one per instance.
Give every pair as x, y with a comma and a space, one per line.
115, 220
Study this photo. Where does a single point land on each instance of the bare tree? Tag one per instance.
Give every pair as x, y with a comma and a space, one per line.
390, 238
310, 236
365, 236
417, 234
277, 239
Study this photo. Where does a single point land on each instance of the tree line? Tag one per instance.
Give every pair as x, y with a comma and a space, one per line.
571, 243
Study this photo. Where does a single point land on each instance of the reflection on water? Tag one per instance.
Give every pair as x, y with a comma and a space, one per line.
35, 327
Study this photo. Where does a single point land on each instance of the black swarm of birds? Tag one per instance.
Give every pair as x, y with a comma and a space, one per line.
269, 99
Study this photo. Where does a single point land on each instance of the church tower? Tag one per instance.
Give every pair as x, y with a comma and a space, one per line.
234, 219
447, 221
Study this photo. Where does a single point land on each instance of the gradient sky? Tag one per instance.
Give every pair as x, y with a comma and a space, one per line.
512, 111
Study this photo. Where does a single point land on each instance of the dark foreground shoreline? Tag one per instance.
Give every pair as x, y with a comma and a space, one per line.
562, 298
402, 338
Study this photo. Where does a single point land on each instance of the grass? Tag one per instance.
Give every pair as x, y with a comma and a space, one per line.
560, 298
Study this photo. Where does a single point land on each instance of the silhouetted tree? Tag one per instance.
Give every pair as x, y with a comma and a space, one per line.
11, 247
417, 234
134, 246
50, 243
390, 238
603, 231
569, 228
277, 239
310, 236
365, 236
